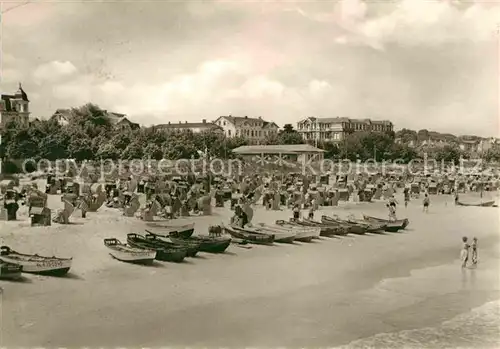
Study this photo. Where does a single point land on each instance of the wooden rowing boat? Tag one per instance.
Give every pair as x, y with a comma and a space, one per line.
325, 229
357, 226
184, 230
282, 236
10, 271
209, 244
191, 248
351, 228
302, 234
482, 204
255, 238
391, 226
176, 255
36, 264
129, 254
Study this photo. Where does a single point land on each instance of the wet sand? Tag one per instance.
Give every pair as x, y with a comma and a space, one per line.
326, 293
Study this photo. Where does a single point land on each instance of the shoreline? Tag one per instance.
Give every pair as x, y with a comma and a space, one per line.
329, 292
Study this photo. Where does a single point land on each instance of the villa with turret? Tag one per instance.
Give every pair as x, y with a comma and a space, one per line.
14, 106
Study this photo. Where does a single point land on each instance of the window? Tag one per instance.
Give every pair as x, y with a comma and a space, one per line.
229, 133
224, 123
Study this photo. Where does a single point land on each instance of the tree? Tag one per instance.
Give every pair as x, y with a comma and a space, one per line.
331, 149
288, 128
448, 153
492, 154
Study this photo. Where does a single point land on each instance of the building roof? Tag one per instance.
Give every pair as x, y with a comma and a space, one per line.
348, 120
276, 149
21, 94
239, 120
188, 125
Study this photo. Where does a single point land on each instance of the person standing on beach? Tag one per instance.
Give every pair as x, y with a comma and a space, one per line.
392, 212
407, 196
426, 203
311, 212
474, 251
464, 253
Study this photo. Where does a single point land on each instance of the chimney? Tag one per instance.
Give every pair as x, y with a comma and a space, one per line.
204, 121
246, 117
260, 117
169, 122
180, 122
185, 122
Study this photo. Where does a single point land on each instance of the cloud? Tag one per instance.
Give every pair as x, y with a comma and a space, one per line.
11, 76
422, 64
54, 71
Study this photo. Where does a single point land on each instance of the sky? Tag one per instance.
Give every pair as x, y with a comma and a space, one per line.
421, 64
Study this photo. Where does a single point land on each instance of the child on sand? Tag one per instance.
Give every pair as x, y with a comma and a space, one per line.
392, 212
311, 212
296, 211
407, 197
474, 251
464, 253
426, 203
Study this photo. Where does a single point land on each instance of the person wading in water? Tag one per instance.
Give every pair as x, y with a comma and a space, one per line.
464, 253
474, 251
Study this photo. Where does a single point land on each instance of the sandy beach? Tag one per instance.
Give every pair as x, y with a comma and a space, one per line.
380, 290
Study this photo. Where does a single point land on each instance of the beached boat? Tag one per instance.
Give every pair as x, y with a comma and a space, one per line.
325, 229
126, 253
481, 204
303, 234
10, 271
283, 236
191, 248
162, 253
36, 264
208, 243
184, 230
255, 238
352, 228
391, 226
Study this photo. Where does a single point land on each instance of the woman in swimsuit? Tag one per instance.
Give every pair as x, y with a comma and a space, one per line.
474, 251
426, 203
464, 253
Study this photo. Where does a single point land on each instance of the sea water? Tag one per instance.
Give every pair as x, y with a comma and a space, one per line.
478, 328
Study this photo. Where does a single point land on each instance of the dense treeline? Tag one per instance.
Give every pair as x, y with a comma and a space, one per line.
90, 135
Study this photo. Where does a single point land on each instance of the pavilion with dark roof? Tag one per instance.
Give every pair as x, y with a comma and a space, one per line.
292, 152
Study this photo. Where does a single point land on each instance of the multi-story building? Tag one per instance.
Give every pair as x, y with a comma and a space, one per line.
255, 130
64, 116
195, 127
336, 129
14, 107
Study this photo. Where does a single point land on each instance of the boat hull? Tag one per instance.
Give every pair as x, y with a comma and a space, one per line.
162, 254
325, 230
302, 234
207, 244
145, 257
9, 271
482, 204
54, 268
391, 226
255, 238
35, 264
